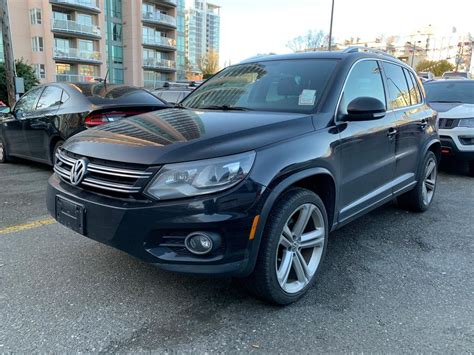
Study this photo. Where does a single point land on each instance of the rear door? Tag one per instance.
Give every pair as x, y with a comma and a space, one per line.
367, 149
41, 124
14, 128
411, 121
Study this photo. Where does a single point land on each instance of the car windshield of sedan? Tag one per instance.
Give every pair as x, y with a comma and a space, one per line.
450, 92
279, 85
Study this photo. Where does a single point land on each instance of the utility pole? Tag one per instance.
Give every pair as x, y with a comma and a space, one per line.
330, 26
8, 49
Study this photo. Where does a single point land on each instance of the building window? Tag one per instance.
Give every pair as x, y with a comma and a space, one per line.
35, 16
117, 32
40, 71
37, 44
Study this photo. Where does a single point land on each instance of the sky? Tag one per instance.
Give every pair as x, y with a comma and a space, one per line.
251, 27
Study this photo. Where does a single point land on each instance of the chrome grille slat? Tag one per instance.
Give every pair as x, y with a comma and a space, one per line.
101, 177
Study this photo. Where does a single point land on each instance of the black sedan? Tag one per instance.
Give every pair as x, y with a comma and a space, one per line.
48, 114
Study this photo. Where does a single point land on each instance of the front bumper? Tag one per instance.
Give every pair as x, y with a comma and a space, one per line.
145, 228
456, 142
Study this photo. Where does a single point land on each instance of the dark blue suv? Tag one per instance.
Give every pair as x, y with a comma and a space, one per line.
249, 174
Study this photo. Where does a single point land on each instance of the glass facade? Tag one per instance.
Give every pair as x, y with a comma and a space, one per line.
114, 40
180, 41
2, 54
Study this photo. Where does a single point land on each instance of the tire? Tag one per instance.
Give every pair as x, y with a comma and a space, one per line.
420, 198
55, 149
273, 255
4, 157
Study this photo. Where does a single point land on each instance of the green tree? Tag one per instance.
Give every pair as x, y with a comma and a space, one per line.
23, 70
209, 64
437, 67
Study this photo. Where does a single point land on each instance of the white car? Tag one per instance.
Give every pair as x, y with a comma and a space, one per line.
454, 101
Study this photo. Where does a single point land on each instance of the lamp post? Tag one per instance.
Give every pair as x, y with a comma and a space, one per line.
330, 26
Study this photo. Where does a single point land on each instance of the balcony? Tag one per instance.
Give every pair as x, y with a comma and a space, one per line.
76, 55
73, 27
158, 18
162, 42
73, 78
159, 64
90, 5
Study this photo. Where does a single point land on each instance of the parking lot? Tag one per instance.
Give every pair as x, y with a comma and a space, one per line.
393, 281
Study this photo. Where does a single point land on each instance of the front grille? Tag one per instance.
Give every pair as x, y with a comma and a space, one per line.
103, 176
448, 123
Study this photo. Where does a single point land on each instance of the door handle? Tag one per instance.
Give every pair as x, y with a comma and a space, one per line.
423, 124
392, 132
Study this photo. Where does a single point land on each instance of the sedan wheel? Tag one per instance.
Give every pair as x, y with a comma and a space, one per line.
300, 248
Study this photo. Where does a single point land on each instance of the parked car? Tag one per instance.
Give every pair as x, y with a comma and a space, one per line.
456, 75
426, 75
454, 100
174, 93
255, 168
47, 115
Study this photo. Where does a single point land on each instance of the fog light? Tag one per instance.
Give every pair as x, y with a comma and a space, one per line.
201, 243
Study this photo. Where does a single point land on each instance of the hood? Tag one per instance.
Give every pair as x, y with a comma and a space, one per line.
177, 135
453, 110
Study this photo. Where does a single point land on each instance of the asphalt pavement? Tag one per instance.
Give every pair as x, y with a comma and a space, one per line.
393, 281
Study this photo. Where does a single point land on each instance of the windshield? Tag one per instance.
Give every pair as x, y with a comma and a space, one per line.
456, 92
282, 86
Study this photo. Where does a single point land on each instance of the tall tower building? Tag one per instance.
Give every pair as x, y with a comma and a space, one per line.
136, 42
202, 33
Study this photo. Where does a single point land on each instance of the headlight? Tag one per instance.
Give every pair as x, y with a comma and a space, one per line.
466, 122
200, 177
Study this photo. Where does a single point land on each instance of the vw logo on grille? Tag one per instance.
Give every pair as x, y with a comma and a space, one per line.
78, 171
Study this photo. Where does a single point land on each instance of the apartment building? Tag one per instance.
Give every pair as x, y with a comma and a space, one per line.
137, 42
202, 32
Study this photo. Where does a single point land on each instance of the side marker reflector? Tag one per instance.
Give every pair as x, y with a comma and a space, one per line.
254, 227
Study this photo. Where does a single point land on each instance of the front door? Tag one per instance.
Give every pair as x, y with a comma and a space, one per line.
367, 148
17, 141
40, 125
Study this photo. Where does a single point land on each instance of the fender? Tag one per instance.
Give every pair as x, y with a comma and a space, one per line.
426, 147
272, 196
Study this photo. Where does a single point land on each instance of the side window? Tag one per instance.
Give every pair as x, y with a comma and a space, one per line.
416, 88
364, 80
26, 104
411, 88
65, 97
397, 86
50, 97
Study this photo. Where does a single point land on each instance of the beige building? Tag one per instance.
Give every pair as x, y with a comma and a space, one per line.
137, 42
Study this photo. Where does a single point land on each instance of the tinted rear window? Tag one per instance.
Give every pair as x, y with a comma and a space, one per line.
449, 91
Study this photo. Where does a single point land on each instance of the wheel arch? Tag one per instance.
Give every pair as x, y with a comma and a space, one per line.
52, 143
319, 180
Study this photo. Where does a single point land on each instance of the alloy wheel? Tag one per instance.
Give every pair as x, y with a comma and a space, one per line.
2, 152
300, 248
429, 182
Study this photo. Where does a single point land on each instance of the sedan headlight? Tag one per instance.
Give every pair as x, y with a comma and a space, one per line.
200, 177
466, 122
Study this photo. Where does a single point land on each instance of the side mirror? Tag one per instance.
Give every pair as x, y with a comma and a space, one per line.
5, 109
365, 109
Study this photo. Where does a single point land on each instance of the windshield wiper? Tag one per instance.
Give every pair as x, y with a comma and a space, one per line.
446, 102
223, 108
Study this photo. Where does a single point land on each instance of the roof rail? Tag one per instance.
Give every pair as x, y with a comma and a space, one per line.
355, 49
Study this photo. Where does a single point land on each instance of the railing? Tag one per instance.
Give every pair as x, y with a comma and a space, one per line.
158, 17
75, 27
159, 63
73, 78
160, 41
172, 2
152, 84
91, 4
77, 54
